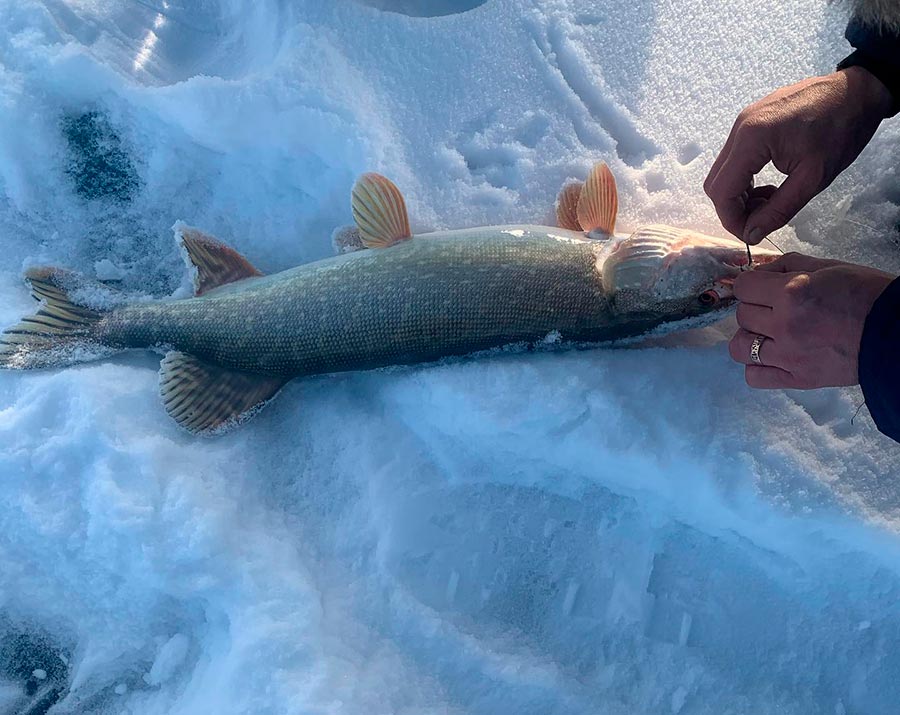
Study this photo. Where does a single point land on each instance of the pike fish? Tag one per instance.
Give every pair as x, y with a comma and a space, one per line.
398, 300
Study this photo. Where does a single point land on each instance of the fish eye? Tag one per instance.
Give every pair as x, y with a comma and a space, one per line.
708, 298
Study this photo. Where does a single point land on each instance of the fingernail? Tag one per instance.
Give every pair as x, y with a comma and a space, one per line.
753, 236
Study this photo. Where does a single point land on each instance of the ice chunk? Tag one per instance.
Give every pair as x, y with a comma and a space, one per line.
169, 659
678, 698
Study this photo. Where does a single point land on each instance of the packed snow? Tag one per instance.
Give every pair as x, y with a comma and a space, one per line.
626, 530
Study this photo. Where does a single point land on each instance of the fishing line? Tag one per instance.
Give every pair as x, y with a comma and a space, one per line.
776, 245
858, 410
750, 256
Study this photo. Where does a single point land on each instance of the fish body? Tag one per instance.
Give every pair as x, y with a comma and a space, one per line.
409, 299
437, 295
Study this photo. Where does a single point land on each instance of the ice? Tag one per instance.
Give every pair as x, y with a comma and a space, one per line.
620, 530
169, 660
425, 8
678, 698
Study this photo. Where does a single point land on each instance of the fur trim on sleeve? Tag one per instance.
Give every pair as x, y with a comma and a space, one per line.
884, 14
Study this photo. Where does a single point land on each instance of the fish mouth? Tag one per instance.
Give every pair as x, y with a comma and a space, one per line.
722, 290
760, 259
667, 261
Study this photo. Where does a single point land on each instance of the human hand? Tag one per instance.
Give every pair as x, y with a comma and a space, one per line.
811, 131
811, 312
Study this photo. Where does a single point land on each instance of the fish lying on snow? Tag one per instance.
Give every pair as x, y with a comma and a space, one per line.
410, 299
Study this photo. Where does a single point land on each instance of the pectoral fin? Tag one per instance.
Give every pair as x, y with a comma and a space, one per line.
599, 201
379, 211
216, 263
206, 399
567, 205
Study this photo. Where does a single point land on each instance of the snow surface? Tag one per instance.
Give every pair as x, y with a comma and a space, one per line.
615, 531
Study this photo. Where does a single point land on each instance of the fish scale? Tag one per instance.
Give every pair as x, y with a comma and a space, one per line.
447, 293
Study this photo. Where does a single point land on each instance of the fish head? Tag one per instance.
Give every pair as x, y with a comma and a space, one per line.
665, 273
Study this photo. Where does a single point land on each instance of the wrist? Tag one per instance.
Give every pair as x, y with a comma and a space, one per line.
878, 349
869, 90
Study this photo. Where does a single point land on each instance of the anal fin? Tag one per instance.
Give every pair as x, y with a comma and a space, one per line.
207, 399
216, 263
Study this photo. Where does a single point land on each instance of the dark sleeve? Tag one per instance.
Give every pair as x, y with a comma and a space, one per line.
878, 51
879, 349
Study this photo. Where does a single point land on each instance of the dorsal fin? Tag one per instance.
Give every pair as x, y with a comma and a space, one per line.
567, 205
207, 399
599, 202
216, 263
379, 211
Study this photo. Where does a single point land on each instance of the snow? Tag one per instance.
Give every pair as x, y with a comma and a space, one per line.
617, 531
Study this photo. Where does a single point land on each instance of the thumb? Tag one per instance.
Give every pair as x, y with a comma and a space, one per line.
796, 263
793, 194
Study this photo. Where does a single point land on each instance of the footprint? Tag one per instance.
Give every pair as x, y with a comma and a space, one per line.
688, 153
458, 551
495, 164
588, 19
580, 80
827, 408
494, 148
533, 129
656, 181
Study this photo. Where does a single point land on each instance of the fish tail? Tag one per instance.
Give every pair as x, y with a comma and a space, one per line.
63, 331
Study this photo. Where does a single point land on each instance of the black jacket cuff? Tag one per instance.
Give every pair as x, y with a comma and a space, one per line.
878, 51
879, 348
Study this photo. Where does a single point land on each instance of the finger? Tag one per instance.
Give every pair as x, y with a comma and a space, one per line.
797, 263
770, 378
763, 192
748, 155
723, 155
770, 352
758, 196
756, 319
760, 287
793, 194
